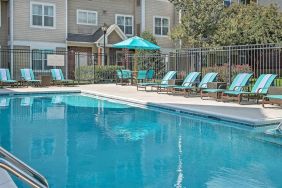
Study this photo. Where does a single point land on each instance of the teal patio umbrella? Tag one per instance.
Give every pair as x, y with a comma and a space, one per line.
136, 43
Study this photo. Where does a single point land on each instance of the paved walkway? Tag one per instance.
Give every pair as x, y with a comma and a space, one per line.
247, 113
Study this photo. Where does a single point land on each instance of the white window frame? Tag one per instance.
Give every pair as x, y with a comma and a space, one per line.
43, 4
87, 11
124, 15
154, 21
42, 59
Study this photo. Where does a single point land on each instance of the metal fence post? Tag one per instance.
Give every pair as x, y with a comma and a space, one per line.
229, 64
78, 62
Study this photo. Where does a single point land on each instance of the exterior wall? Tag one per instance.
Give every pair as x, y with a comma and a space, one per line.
4, 23
160, 8
106, 10
114, 38
23, 31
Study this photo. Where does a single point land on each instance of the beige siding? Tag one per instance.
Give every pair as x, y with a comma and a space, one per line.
4, 24
164, 9
106, 9
24, 32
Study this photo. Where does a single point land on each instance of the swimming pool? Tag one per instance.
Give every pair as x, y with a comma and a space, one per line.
81, 141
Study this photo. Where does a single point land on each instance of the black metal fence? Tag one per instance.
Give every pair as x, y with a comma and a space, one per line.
230, 60
97, 68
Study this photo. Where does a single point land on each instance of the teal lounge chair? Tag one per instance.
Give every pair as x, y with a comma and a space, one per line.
28, 76
169, 76
59, 79
240, 81
260, 88
123, 76
5, 78
272, 99
209, 77
189, 82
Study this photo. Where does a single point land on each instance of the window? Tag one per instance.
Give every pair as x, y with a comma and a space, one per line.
42, 15
245, 2
39, 59
161, 25
86, 17
125, 23
227, 3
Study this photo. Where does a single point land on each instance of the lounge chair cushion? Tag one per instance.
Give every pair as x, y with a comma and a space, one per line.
274, 97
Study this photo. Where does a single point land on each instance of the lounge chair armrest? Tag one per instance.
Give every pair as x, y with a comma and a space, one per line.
222, 86
241, 87
260, 89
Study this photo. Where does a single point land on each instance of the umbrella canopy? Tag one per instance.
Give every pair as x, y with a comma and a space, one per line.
136, 43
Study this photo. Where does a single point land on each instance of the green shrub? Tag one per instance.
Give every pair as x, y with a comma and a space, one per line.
223, 71
96, 74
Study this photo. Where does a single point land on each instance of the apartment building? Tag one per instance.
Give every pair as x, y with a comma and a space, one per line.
45, 26
124, 18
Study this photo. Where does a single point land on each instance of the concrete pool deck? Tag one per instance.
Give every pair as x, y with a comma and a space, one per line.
248, 113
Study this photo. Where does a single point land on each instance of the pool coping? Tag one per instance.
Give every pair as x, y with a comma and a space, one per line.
209, 114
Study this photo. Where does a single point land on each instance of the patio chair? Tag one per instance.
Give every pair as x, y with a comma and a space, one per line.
150, 75
123, 76
240, 81
141, 76
260, 88
5, 78
169, 76
189, 82
186, 88
28, 77
59, 79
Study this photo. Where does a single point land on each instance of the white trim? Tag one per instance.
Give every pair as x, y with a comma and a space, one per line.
143, 15
124, 15
43, 4
162, 17
87, 12
40, 45
112, 28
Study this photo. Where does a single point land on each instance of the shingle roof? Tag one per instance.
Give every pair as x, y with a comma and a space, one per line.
85, 38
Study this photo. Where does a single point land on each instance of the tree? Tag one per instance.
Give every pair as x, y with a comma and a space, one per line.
200, 19
250, 24
209, 23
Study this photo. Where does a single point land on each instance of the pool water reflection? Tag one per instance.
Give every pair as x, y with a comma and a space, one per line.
78, 141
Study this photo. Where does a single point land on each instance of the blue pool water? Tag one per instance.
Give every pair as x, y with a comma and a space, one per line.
79, 141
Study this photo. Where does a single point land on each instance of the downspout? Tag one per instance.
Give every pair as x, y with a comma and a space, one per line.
180, 21
12, 35
143, 15
66, 53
